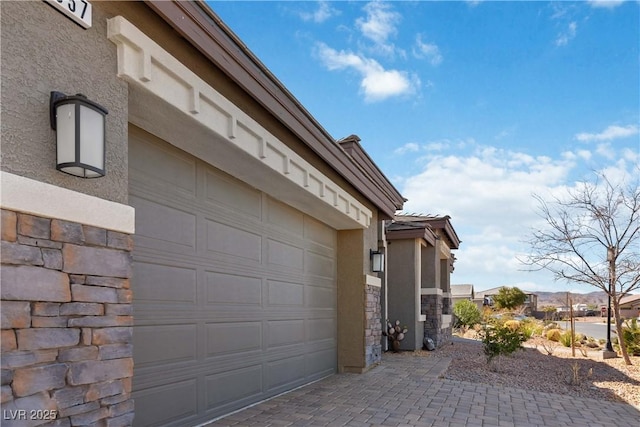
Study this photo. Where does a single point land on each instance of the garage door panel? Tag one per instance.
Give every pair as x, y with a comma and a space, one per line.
232, 194
160, 405
161, 283
321, 329
164, 226
321, 363
225, 288
163, 344
229, 240
285, 332
320, 265
320, 297
285, 293
233, 386
286, 218
161, 165
285, 255
319, 233
233, 337
285, 373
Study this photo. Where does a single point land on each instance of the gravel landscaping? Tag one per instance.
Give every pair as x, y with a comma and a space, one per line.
534, 369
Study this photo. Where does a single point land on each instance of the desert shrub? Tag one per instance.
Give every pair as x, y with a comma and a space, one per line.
500, 340
530, 328
514, 325
631, 335
565, 338
467, 314
554, 335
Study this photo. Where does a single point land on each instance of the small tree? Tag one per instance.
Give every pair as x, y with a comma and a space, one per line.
509, 298
467, 313
592, 236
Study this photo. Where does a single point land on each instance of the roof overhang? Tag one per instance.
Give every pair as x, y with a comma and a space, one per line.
201, 27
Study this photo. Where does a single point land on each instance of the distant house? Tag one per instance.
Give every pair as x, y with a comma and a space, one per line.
630, 306
419, 266
462, 292
486, 298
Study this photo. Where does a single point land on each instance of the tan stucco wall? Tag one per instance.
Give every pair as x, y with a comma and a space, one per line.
403, 289
43, 51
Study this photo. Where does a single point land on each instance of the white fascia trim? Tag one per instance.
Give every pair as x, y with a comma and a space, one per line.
372, 280
143, 63
41, 199
431, 291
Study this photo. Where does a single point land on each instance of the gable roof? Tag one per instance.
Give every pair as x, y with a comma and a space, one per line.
202, 28
630, 299
462, 291
434, 222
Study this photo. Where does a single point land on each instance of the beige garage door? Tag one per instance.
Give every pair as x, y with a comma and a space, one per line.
234, 292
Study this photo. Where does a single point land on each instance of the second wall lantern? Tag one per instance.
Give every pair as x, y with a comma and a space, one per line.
377, 261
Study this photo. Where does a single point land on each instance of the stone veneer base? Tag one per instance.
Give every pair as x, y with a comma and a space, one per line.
66, 325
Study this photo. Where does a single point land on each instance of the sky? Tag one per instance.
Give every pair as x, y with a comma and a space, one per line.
468, 107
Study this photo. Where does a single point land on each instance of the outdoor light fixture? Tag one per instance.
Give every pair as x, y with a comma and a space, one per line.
377, 261
80, 134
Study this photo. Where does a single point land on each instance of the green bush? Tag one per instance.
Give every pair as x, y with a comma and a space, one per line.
467, 313
631, 335
500, 340
530, 328
565, 338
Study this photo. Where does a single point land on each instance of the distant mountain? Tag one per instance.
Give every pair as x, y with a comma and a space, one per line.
557, 299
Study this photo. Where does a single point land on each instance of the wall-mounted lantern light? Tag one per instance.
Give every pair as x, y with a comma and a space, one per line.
377, 261
80, 134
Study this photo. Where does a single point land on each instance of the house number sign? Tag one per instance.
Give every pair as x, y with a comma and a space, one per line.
79, 11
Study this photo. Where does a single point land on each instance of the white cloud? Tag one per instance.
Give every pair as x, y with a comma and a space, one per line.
569, 34
321, 14
377, 83
607, 4
409, 147
488, 194
430, 51
610, 133
606, 151
380, 22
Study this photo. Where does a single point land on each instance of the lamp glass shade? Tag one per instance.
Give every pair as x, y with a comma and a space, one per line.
377, 262
66, 133
91, 140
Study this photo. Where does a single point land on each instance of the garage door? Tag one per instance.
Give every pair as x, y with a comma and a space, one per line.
234, 292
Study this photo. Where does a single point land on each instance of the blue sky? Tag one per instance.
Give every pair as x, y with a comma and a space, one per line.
468, 107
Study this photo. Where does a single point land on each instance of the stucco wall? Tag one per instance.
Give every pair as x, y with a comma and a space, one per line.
43, 51
403, 283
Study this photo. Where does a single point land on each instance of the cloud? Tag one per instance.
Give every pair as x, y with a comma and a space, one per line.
488, 194
409, 147
380, 22
610, 133
321, 14
605, 4
426, 50
569, 34
376, 82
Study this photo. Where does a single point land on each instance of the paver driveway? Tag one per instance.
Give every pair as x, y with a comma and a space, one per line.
407, 391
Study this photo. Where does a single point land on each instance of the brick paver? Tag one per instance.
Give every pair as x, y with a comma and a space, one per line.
408, 391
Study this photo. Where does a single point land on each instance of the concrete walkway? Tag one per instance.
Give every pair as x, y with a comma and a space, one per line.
408, 391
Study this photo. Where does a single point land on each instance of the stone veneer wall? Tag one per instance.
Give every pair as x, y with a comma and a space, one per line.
432, 308
373, 325
66, 323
